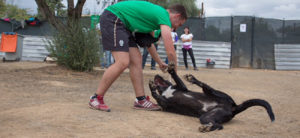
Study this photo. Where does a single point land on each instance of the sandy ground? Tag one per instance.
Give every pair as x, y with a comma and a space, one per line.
43, 100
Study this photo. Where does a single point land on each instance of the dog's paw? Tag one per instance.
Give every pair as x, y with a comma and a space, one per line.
210, 127
205, 127
190, 78
171, 67
152, 86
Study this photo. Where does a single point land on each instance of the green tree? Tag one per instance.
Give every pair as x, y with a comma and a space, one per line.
73, 13
74, 46
2, 8
12, 11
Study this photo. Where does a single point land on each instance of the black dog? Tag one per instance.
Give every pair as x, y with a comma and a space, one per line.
213, 107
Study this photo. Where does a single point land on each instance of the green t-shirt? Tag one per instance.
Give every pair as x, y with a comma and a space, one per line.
140, 16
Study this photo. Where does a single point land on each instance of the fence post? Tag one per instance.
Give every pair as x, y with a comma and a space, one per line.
283, 31
232, 39
203, 34
252, 40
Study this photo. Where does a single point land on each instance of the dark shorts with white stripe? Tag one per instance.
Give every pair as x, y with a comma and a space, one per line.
115, 35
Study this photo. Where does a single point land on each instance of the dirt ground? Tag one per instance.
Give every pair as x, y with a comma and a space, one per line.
43, 100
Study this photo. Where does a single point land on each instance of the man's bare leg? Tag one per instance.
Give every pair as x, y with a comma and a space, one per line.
136, 76
113, 72
136, 71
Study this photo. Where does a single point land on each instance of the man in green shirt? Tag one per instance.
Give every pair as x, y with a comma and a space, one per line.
121, 24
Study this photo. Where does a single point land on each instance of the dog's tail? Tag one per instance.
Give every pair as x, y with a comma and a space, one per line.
255, 102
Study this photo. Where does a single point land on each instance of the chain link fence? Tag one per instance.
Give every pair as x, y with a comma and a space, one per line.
252, 38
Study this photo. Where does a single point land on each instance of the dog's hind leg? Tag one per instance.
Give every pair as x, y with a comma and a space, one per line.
179, 83
213, 120
208, 126
190, 78
207, 89
159, 99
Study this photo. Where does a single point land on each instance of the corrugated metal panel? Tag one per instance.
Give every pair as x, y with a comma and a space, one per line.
219, 51
34, 48
287, 56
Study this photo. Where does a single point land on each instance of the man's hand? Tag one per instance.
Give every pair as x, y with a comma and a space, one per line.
163, 67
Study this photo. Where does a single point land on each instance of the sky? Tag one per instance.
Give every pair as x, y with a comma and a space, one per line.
278, 9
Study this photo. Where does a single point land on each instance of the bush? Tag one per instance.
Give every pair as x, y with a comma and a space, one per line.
76, 48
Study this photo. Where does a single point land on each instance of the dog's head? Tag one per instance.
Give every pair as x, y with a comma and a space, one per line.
161, 84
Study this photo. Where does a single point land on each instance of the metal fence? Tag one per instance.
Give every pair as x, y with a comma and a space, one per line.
287, 56
252, 38
34, 48
220, 52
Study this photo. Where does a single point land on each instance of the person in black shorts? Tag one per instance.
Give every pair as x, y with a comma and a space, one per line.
124, 26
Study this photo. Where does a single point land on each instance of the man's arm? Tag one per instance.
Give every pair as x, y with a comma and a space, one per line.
153, 52
168, 42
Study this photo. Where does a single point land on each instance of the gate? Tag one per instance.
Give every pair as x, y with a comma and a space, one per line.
242, 42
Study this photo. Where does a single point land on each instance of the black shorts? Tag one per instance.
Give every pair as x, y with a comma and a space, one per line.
115, 36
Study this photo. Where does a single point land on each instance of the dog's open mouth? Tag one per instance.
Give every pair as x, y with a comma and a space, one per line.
159, 81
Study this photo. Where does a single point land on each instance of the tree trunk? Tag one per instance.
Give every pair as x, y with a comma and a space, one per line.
78, 8
73, 13
48, 14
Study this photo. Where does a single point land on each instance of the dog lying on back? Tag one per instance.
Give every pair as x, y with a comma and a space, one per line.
213, 107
